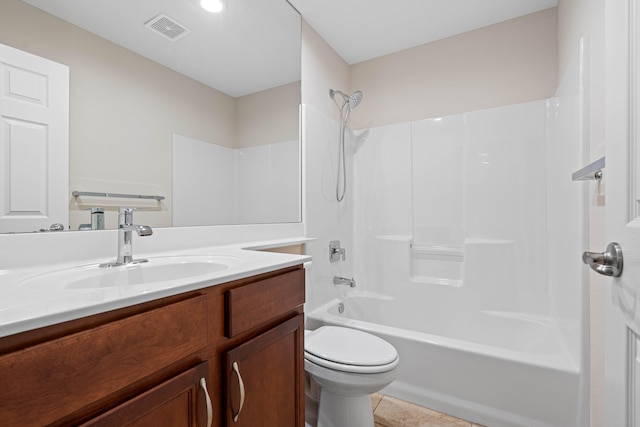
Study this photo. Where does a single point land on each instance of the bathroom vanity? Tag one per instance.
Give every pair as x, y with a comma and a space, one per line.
221, 355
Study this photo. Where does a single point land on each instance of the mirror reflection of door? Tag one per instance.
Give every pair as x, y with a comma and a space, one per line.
34, 142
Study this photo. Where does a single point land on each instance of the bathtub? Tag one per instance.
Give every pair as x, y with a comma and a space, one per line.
490, 367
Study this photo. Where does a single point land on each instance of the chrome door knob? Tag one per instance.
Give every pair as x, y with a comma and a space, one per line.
608, 263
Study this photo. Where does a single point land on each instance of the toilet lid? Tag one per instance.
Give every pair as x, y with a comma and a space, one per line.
345, 346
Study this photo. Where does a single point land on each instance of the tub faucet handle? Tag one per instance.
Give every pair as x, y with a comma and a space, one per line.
335, 251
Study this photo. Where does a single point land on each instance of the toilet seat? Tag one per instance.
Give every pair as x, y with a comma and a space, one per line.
349, 350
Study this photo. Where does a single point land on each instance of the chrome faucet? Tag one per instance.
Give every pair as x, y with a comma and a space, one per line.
125, 247
344, 281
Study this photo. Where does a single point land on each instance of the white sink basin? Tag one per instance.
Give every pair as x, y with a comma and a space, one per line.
157, 270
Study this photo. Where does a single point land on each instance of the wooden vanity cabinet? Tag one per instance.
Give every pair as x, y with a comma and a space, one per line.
147, 365
265, 374
265, 378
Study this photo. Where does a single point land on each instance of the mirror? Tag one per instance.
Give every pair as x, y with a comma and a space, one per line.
144, 106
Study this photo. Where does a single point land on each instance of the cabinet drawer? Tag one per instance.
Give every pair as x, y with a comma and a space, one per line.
251, 305
49, 381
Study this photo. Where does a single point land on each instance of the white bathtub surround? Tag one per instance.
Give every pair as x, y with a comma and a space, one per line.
477, 198
437, 264
473, 257
325, 219
471, 230
213, 184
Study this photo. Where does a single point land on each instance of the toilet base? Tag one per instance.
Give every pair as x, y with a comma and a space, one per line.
342, 411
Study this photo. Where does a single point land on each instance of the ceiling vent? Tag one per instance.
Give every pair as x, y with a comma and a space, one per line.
167, 27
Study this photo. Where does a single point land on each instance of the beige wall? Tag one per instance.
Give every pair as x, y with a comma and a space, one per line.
322, 69
255, 127
578, 19
506, 63
123, 111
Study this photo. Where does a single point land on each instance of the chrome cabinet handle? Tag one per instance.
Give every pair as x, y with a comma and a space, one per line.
203, 386
241, 385
608, 263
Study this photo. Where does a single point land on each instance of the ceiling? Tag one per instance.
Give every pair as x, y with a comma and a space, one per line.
254, 45
359, 30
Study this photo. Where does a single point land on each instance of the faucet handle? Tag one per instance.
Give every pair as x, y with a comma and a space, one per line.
125, 216
335, 251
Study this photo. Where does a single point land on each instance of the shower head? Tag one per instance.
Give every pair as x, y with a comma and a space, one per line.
355, 99
352, 100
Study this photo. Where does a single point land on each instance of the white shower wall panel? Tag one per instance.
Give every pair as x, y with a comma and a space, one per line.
324, 218
505, 199
214, 185
287, 182
438, 175
383, 197
268, 183
253, 181
467, 192
203, 188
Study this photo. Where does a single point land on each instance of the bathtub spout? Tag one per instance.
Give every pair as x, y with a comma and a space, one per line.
344, 281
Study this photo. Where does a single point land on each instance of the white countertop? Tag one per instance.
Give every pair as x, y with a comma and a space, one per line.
23, 307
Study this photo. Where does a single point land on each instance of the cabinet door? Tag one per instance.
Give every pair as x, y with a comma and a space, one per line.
265, 379
182, 401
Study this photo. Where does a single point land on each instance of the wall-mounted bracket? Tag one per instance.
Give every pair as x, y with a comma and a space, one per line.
592, 171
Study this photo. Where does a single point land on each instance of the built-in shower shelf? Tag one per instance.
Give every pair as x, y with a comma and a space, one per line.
592, 171
435, 264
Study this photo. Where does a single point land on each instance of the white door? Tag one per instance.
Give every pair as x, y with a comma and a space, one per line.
622, 180
34, 142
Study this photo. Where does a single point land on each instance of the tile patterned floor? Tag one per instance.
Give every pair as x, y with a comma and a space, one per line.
391, 412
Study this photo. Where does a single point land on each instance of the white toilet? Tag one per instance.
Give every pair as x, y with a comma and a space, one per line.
346, 366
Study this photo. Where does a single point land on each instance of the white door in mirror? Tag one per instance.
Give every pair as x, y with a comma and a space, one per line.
34, 141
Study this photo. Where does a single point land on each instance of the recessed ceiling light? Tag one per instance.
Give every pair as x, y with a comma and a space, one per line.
213, 6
